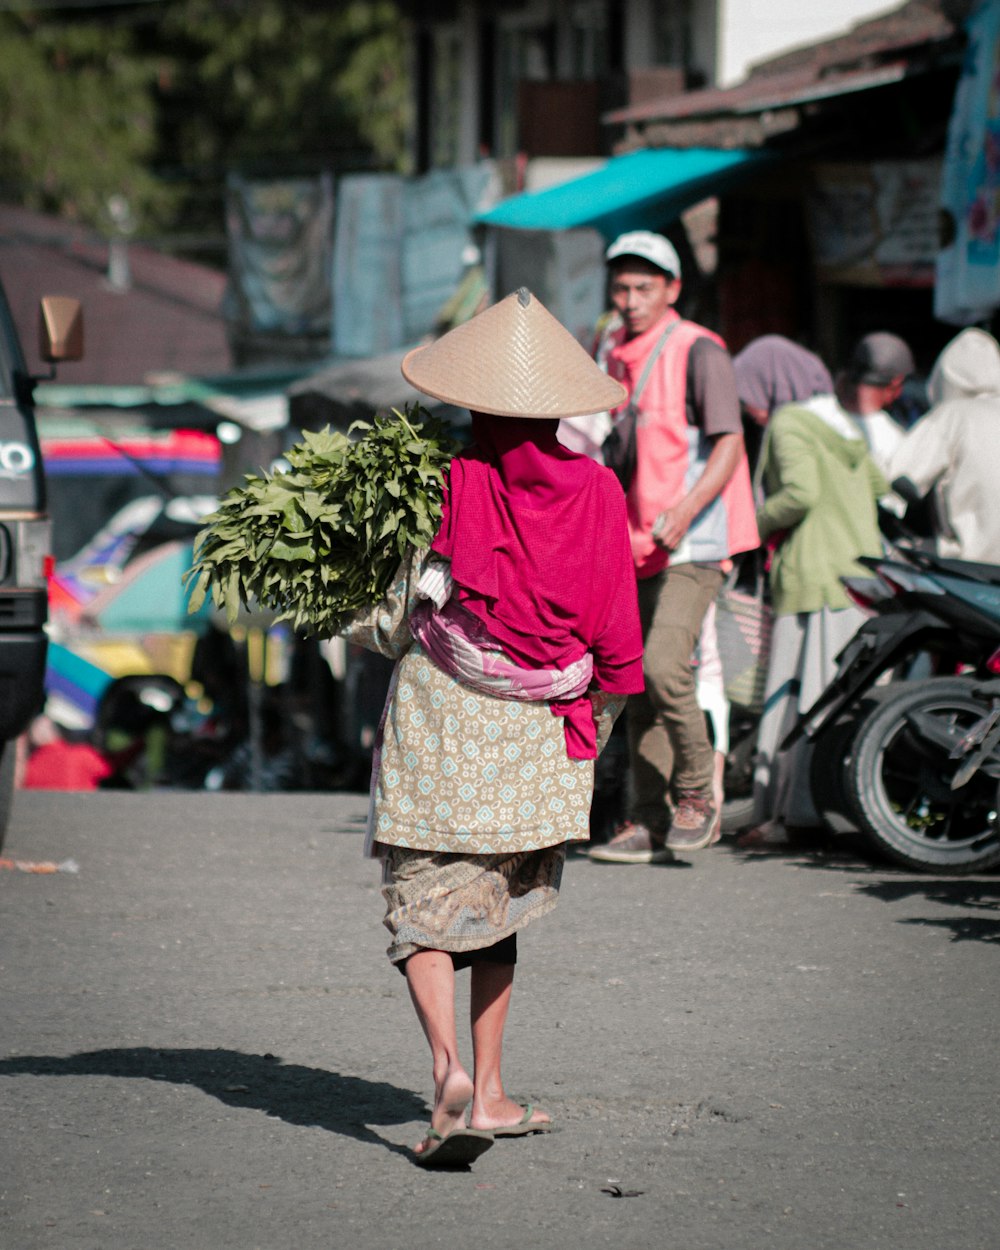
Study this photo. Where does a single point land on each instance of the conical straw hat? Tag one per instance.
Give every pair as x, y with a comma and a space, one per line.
513, 360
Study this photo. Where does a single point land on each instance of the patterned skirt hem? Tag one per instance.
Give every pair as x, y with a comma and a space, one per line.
412, 837
461, 903
398, 951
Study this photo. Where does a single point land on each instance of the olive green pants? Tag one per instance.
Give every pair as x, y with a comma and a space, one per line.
669, 746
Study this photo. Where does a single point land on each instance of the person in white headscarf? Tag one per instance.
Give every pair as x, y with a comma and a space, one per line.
954, 450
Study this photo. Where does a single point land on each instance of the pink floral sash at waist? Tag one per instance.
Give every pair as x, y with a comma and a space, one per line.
461, 646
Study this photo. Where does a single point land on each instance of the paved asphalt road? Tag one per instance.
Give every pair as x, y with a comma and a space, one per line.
202, 1046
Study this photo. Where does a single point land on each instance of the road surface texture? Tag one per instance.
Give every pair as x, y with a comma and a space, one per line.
203, 1046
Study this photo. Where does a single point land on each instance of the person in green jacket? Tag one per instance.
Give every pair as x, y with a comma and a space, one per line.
818, 517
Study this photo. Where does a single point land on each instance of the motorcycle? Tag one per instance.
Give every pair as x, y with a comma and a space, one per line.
906, 739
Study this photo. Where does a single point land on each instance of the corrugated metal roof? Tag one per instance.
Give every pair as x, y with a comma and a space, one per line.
355, 390
256, 399
761, 95
873, 54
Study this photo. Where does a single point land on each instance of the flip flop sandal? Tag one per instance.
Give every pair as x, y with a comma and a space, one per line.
462, 1146
524, 1126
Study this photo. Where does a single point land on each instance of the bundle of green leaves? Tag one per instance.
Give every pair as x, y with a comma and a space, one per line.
322, 540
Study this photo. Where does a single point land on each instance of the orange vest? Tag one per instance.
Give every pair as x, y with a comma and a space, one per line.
671, 455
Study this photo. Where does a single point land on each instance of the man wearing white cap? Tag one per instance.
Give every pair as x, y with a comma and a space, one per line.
690, 507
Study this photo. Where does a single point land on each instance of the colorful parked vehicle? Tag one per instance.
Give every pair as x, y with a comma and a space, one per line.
25, 530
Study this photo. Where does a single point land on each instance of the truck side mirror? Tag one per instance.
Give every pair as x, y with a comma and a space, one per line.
60, 329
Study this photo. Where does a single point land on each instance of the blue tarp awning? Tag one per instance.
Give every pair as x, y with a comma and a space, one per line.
636, 191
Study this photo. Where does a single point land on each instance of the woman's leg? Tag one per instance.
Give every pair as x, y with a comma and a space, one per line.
828, 631
489, 1002
781, 706
430, 976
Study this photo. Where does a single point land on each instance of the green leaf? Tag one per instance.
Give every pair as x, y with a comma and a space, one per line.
323, 540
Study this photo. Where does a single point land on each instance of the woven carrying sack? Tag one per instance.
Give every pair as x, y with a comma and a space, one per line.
743, 621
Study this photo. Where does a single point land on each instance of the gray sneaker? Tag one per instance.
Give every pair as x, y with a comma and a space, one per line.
633, 844
694, 824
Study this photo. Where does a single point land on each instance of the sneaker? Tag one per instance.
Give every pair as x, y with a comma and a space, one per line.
633, 844
694, 823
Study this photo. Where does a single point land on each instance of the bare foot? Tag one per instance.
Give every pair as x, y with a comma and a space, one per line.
503, 1112
451, 1098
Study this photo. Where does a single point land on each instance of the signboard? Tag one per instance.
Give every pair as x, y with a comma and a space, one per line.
968, 265
875, 223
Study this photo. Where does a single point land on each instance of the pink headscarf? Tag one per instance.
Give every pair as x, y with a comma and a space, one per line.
539, 550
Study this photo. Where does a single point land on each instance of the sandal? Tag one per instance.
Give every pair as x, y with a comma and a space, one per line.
524, 1126
461, 1146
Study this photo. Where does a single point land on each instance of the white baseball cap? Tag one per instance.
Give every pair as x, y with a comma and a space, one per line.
649, 246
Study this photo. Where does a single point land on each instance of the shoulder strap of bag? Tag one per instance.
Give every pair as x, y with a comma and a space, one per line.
620, 445
650, 361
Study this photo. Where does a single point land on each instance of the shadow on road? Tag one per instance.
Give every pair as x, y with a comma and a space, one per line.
972, 895
836, 854
965, 928
813, 848
309, 1097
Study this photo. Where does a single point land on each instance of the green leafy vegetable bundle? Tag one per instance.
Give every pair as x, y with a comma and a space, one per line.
322, 540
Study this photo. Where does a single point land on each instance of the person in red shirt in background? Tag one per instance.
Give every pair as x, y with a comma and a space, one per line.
54, 763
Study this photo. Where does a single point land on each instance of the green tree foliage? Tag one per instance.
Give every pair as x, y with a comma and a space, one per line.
157, 102
79, 121
285, 83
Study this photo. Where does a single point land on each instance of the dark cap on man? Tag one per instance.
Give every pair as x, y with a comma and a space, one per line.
879, 359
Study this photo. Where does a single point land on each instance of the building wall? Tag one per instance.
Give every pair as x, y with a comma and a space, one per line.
472, 57
475, 53
675, 32
750, 31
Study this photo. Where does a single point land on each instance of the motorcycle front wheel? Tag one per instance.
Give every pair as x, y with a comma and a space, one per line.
899, 776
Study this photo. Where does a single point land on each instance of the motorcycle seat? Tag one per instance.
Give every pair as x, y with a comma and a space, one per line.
976, 572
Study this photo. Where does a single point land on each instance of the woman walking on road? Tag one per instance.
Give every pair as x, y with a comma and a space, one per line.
517, 639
